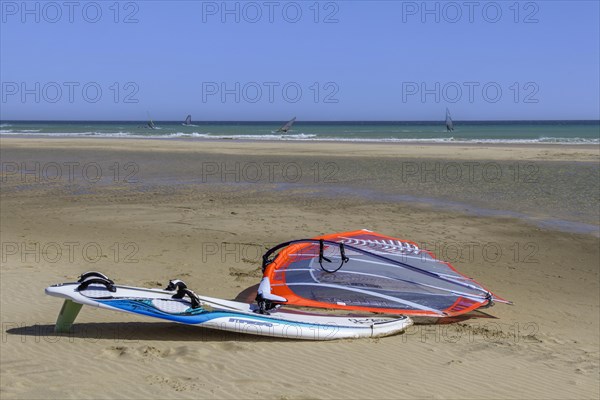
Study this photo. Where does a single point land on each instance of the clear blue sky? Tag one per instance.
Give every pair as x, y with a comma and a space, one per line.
377, 58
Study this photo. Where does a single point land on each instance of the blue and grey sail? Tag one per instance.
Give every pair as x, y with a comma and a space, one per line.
287, 126
449, 123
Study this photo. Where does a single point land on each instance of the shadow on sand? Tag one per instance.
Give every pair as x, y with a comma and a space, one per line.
131, 331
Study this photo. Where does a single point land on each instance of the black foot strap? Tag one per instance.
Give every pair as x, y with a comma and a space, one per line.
95, 274
183, 291
264, 305
108, 284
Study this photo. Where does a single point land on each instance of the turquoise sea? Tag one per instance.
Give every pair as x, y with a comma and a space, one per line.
567, 132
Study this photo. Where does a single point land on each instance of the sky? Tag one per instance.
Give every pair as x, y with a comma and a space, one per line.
272, 60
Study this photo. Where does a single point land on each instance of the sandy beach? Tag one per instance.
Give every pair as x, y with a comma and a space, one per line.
522, 220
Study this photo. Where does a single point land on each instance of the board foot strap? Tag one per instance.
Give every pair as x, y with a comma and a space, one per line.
182, 291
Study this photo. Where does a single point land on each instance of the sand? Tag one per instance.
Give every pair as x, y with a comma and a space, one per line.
146, 211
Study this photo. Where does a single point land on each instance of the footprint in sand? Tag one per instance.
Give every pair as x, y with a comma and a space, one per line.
179, 384
149, 351
232, 347
115, 352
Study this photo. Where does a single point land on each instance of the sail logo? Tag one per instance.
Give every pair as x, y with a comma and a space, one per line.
368, 321
250, 322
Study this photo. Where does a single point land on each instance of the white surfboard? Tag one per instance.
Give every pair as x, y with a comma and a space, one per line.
219, 314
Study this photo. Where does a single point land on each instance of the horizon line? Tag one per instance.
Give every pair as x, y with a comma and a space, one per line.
299, 121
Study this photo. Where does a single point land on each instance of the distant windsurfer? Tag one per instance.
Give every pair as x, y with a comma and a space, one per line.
449, 123
288, 125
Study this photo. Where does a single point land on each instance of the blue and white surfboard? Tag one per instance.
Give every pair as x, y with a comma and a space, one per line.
221, 314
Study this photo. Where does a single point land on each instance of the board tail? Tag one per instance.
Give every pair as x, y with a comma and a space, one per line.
67, 315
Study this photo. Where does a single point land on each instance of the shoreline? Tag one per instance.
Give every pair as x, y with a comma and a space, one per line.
497, 151
238, 139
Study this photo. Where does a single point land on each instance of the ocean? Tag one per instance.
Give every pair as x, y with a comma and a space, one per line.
560, 132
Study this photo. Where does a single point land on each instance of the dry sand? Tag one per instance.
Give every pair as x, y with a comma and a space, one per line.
166, 216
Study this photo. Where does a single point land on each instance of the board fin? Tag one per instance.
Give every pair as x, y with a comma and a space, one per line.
67, 315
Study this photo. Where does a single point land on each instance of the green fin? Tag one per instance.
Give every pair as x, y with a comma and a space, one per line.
67, 316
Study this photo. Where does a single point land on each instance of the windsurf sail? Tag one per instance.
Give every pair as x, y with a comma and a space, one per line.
367, 271
150, 124
449, 123
287, 126
188, 120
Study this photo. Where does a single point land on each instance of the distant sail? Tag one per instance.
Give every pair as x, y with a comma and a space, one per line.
449, 123
188, 120
150, 124
287, 126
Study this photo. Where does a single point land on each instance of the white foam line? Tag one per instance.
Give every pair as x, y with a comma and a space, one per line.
308, 137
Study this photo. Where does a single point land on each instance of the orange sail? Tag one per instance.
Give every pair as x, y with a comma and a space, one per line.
367, 271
